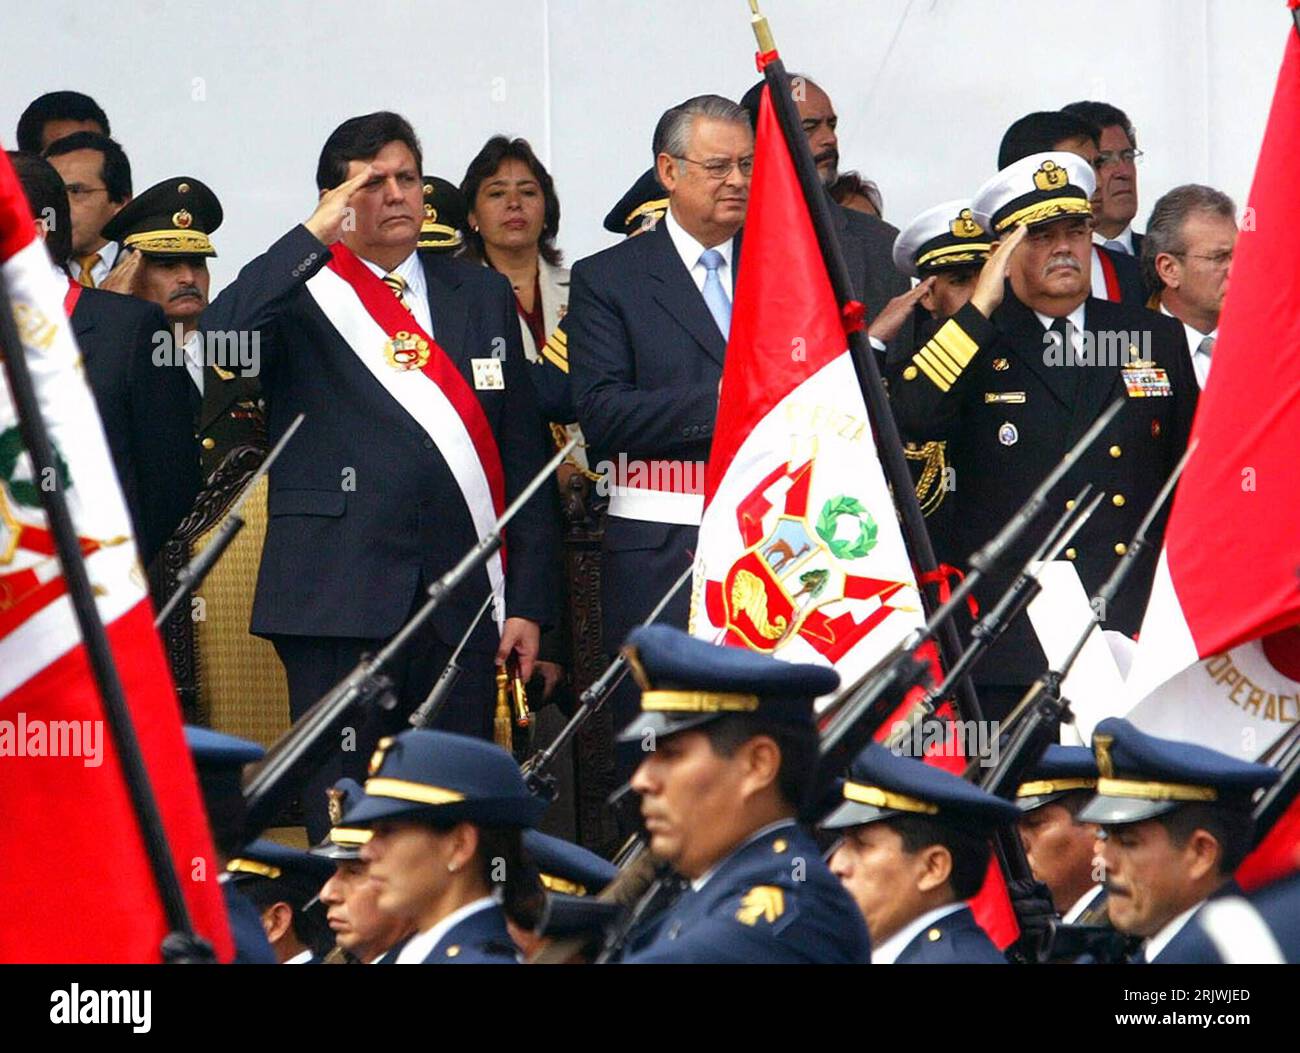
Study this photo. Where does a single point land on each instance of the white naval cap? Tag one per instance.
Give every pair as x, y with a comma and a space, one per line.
946, 235
1036, 189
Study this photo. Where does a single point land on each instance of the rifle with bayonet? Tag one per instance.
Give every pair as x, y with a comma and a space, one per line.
428, 710
192, 574
273, 780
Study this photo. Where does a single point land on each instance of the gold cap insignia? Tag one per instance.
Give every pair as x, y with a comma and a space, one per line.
430, 213
377, 758
428, 188
182, 219
335, 805
1050, 176
762, 901
964, 226
1101, 747
183, 188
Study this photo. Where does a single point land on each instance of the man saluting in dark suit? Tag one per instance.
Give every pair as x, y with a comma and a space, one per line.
648, 322
420, 427
142, 407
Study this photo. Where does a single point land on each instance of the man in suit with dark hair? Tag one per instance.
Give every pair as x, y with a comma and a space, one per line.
97, 175
1116, 275
420, 427
144, 409
1116, 201
55, 114
867, 241
648, 323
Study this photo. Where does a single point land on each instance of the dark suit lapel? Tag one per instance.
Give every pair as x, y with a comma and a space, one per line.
1024, 333
1099, 382
674, 290
450, 318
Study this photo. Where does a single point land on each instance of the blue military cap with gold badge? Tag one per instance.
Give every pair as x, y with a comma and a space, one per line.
445, 216
444, 778
1040, 188
343, 842
1141, 776
687, 682
1060, 770
883, 785
271, 861
640, 208
171, 218
941, 238
568, 868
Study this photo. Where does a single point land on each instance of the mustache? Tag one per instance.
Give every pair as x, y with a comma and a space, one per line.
185, 290
831, 155
1062, 259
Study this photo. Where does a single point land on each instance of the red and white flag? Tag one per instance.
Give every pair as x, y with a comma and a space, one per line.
1214, 664
800, 552
76, 884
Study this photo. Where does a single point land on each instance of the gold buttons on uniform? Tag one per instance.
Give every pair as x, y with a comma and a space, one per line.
1069, 504
209, 443
1118, 500
1120, 548
934, 935
780, 845
1071, 553
1115, 451
911, 373
453, 950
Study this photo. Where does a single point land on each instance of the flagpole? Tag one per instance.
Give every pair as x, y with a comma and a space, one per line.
181, 944
888, 442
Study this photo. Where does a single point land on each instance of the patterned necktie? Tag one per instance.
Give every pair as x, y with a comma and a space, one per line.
1206, 346
398, 285
715, 296
87, 264
1117, 246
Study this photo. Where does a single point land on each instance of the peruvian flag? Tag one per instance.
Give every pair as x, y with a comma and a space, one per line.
76, 885
1218, 662
800, 552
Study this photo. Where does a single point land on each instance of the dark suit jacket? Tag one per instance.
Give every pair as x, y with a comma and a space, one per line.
144, 408
348, 562
645, 359
1128, 273
1002, 449
868, 244
955, 939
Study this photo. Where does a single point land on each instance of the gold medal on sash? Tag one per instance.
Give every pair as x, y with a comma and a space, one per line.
406, 351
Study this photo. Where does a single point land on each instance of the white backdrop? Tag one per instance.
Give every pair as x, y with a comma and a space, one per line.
242, 94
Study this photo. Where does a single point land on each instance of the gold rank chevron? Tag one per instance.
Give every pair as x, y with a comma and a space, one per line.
946, 355
761, 901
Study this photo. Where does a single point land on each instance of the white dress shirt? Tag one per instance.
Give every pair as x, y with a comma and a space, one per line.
887, 953
1072, 915
690, 250
107, 257
301, 958
193, 348
1074, 320
1200, 360
1124, 237
1157, 943
417, 290
419, 946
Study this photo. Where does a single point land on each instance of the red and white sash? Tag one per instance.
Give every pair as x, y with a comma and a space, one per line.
368, 317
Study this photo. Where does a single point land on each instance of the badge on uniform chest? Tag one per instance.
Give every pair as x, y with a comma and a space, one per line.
1147, 381
487, 374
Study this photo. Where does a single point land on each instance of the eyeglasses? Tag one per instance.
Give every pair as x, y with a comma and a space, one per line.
1113, 157
1215, 259
78, 191
717, 169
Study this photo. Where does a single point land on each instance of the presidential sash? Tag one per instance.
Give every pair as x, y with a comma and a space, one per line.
424, 381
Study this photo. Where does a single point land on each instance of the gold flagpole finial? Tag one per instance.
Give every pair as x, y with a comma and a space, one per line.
762, 31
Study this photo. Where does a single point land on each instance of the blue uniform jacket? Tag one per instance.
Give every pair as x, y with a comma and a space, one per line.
953, 940
773, 901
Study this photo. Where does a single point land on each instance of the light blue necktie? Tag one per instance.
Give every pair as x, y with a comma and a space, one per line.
714, 294
1117, 246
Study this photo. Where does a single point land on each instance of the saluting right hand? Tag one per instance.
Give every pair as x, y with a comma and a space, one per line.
333, 209
885, 326
993, 276
125, 276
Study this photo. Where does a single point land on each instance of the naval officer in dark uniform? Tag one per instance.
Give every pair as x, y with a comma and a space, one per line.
915, 847
729, 748
1001, 384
